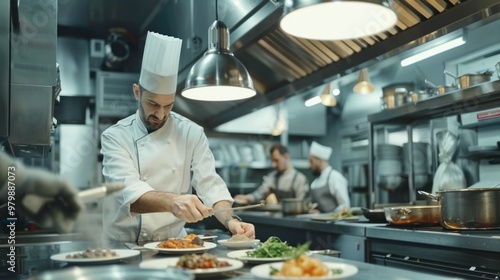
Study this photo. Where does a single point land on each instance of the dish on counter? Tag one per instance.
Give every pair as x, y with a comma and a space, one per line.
242, 255
120, 254
239, 244
263, 271
206, 246
164, 263
207, 237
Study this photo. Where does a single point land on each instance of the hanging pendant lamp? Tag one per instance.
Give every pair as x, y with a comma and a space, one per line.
327, 98
336, 19
218, 75
363, 84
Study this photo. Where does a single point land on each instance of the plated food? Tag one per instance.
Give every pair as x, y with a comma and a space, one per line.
205, 260
189, 241
273, 271
239, 241
214, 265
274, 247
92, 253
95, 256
166, 250
243, 255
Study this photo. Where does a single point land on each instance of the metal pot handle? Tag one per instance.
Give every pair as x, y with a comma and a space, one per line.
429, 195
450, 74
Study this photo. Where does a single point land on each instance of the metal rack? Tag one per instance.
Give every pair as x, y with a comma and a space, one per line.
481, 97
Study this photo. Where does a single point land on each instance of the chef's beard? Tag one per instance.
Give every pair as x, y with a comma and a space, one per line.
316, 173
150, 126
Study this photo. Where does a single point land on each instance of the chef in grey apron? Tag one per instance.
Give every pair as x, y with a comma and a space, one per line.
329, 189
285, 181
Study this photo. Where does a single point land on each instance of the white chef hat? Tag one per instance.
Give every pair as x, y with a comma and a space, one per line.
160, 63
320, 151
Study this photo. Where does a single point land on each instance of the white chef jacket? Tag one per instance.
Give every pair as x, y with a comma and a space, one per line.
170, 159
337, 184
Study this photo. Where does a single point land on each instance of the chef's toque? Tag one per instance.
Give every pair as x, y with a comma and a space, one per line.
160, 63
320, 151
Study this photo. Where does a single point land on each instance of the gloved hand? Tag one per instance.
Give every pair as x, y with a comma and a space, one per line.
58, 203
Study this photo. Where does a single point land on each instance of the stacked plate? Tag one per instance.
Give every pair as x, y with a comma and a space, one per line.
389, 166
420, 163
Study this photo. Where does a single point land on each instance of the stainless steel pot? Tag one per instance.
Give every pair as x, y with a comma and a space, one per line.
413, 215
440, 90
468, 208
468, 80
296, 206
395, 95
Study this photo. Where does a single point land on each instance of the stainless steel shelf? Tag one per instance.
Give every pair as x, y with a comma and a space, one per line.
480, 97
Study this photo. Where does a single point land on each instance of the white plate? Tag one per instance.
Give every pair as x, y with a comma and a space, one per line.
207, 237
262, 271
206, 246
239, 244
121, 254
172, 262
242, 255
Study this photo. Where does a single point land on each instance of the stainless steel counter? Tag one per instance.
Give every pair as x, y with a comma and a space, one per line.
34, 259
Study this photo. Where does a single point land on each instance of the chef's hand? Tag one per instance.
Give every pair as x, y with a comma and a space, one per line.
243, 198
46, 199
242, 228
189, 208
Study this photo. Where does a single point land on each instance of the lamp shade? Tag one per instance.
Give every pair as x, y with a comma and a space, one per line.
336, 19
327, 98
363, 84
218, 75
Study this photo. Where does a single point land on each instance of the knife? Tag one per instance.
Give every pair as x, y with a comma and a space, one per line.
236, 208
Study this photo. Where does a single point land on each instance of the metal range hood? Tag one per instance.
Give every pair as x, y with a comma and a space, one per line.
281, 66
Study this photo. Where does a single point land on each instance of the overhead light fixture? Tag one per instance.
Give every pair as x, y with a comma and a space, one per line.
312, 101
363, 84
433, 51
336, 19
281, 124
327, 98
218, 75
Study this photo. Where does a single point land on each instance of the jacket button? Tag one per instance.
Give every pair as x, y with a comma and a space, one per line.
144, 178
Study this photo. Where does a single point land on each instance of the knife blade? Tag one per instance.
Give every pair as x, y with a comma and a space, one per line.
236, 208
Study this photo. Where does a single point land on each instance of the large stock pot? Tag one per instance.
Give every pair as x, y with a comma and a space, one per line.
468, 209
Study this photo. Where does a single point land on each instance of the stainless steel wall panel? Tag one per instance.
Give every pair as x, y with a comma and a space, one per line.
4, 69
31, 119
33, 48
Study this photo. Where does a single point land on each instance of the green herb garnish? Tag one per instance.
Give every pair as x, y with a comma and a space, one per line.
273, 247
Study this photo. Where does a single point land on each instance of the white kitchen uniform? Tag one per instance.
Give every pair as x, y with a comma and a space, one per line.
329, 190
171, 159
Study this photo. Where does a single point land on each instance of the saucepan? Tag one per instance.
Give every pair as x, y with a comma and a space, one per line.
374, 215
413, 215
466, 209
468, 80
440, 90
296, 206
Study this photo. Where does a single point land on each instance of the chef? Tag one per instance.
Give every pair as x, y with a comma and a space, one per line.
161, 156
329, 189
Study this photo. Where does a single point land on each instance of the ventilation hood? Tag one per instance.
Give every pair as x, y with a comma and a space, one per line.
281, 66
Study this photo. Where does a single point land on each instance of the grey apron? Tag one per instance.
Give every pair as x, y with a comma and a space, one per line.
280, 194
326, 201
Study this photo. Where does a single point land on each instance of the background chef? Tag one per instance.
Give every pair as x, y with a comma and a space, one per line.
329, 189
159, 155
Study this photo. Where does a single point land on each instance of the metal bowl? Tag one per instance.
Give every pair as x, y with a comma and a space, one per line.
111, 272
